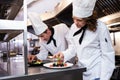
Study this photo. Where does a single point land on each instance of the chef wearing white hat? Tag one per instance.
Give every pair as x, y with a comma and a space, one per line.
51, 39
91, 42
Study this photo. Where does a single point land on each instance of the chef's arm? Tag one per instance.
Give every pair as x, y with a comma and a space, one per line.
70, 52
66, 55
108, 54
42, 55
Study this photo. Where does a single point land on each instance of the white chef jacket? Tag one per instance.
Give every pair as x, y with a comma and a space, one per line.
60, 33
95, 52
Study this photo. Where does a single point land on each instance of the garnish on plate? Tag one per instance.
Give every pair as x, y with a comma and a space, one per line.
36, 63
58, 62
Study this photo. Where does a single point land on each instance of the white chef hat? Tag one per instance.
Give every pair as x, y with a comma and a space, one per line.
83, 8
38, 25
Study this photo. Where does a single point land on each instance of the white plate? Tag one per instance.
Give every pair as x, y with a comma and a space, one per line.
48, 65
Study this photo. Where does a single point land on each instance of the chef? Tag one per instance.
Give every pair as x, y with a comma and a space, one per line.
91, 42
51, 39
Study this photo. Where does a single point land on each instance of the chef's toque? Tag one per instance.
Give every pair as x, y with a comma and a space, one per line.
83, 8
38, 26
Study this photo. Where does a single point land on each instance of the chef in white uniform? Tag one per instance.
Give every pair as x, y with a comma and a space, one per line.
51, 39
91, 42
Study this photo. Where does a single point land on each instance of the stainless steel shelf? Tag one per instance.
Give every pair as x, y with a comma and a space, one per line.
7, 35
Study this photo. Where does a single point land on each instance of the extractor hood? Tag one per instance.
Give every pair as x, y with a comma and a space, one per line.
10, 8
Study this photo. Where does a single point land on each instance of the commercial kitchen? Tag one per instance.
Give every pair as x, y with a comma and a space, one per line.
18, 38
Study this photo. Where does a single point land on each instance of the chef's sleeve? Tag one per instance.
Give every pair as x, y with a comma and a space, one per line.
108, 53
43, 53
70, 52
65, 29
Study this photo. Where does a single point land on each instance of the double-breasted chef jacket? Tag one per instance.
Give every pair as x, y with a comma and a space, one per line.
95, 52
60, 33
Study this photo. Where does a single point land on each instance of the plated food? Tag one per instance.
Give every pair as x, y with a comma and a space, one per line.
58, 62
65, 65
36, 63
58, 65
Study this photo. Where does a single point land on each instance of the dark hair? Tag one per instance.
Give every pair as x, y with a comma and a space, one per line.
92, 22
50, 28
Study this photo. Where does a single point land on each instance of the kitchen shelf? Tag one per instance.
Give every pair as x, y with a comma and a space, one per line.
7, 35
9, 29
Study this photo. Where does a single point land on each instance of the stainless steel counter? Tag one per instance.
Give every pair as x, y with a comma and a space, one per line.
16, 71
42, 73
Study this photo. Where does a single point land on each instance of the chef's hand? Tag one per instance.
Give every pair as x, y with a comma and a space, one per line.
31, 58
58, 55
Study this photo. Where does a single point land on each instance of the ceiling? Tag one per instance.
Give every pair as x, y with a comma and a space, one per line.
103, 8
106, 9
63, 13
10, 8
